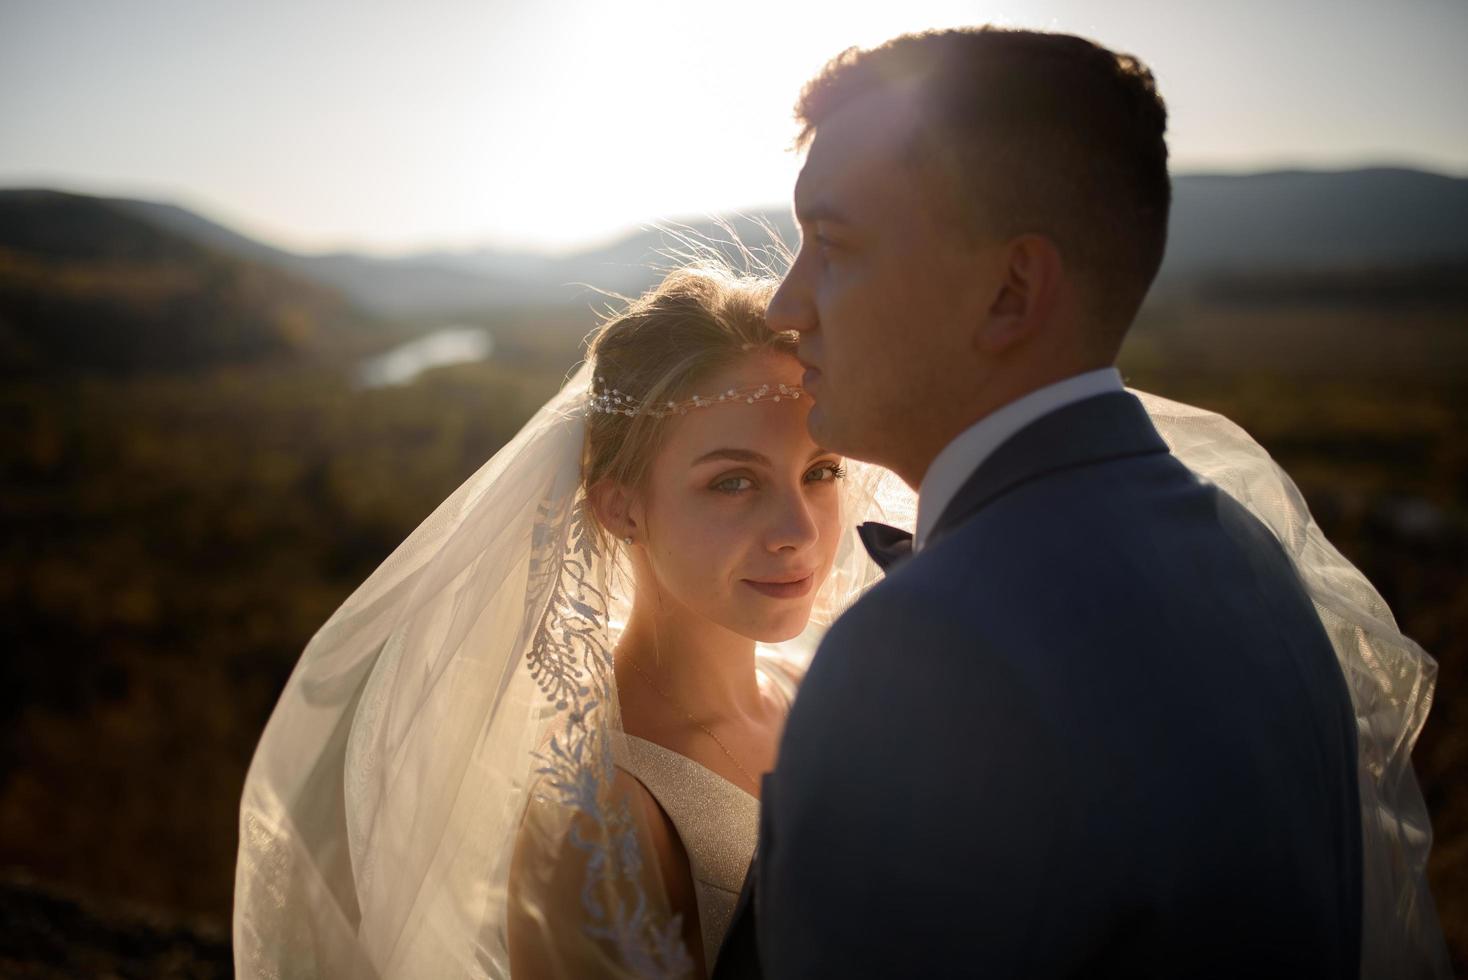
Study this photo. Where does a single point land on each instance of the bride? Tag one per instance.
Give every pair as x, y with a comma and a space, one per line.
531, 741
729, 517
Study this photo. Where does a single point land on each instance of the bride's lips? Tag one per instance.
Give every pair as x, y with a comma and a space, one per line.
784, 590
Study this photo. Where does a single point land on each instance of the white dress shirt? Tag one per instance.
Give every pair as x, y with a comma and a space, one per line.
961, 457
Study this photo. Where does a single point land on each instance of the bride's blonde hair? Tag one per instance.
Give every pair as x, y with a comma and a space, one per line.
699, 320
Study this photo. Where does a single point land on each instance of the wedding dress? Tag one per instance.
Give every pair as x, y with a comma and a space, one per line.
716, 820
462, 700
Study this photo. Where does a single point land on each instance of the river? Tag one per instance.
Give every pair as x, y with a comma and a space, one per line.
403, 363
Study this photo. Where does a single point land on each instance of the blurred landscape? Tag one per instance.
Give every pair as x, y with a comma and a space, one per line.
206, 452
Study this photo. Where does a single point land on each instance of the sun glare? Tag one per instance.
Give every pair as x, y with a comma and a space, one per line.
672, 110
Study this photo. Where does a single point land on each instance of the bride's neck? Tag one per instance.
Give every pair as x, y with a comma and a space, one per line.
706, 669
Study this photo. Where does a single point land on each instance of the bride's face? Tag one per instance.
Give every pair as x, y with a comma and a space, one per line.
741, 512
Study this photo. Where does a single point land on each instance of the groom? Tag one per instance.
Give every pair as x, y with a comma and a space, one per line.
1090, 725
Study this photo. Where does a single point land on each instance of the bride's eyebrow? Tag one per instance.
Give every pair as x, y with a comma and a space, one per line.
737, 455
747, 456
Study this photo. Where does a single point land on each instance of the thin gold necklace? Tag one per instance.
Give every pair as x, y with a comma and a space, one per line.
706, 730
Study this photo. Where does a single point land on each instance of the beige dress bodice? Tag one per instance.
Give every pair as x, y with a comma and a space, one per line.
717, 822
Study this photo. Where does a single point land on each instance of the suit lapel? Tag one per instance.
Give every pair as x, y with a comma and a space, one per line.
1093, 430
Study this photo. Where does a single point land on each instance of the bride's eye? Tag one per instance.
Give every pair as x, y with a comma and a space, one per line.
832, 471
732, 485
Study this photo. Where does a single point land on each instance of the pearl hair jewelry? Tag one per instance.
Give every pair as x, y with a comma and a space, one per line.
614, 402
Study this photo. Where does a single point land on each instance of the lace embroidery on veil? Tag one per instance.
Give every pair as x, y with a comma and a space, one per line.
571, 662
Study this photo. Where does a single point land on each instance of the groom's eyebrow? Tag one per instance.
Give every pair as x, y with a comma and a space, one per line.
820, 211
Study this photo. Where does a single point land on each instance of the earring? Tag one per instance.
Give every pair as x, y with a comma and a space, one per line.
628, 539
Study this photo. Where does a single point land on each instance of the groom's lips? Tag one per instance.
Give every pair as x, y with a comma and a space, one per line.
784, 590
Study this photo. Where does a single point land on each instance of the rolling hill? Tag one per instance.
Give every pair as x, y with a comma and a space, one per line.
86, 285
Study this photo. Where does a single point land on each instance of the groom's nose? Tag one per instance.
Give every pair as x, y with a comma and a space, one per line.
790, 307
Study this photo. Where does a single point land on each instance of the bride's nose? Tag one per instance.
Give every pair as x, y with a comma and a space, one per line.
793, 523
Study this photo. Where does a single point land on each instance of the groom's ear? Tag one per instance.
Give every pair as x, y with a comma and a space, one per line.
1029, 284
615, 507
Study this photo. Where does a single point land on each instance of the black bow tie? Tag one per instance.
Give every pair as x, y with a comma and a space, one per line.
886, 544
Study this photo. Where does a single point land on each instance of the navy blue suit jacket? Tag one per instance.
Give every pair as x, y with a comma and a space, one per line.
1094, 728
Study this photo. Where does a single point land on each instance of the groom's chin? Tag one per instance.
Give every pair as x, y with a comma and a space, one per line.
826, 431
818, 425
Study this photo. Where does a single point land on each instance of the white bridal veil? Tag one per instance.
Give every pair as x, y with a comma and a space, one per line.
1390, 677
462, 700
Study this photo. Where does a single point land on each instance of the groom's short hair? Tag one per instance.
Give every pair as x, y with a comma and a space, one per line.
1035, 132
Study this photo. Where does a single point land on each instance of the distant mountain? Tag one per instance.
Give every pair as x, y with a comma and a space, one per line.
1223, 227
1303, 220
411, 286
444, 283
655, 242
88, 285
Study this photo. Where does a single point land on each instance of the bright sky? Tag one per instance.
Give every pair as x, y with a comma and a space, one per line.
393, 126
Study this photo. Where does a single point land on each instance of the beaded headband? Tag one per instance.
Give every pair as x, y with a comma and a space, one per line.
614, 402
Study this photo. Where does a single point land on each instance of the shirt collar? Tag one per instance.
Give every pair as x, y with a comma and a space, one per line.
968, 450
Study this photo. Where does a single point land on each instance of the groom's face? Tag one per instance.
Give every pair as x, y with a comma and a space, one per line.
884, 291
